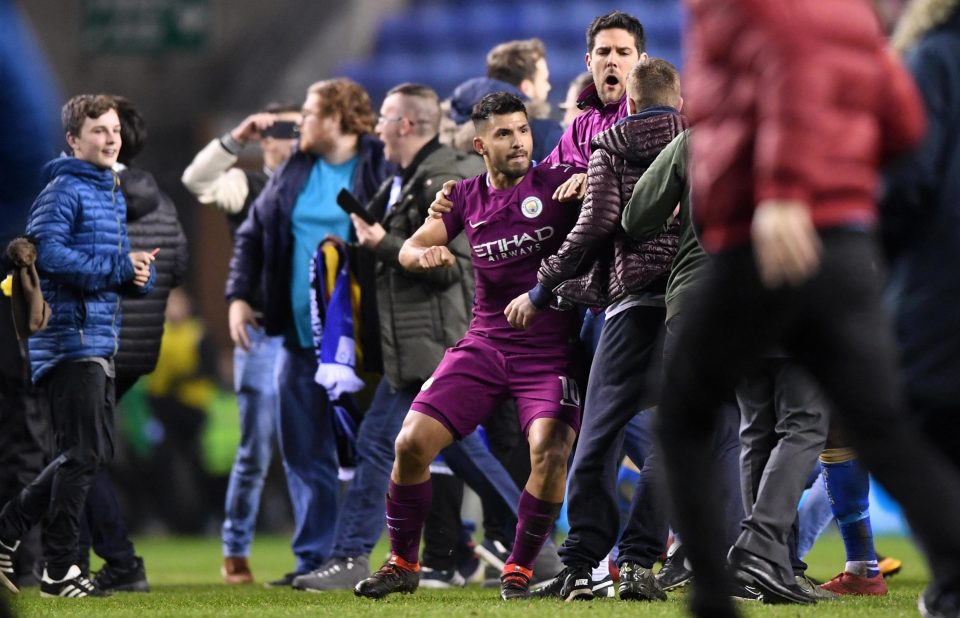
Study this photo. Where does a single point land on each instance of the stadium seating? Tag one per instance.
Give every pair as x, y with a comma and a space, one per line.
444, 42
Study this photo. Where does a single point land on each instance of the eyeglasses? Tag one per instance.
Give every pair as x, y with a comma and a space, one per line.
386, 119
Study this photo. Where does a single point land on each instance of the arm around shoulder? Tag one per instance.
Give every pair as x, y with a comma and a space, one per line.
595, 226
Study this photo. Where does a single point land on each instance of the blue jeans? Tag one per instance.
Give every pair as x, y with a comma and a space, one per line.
255, 383
638, 437
813, 517
309, 448
363, 508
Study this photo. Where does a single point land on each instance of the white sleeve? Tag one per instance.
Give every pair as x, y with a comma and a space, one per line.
213, 179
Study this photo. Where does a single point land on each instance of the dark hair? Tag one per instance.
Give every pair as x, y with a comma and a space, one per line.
496, 104
617, 19
655, 82
348, 98
133, 130
281, 107
84, 106
515, 61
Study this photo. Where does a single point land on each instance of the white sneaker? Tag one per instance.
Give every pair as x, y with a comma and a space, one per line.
7, 555
73, 586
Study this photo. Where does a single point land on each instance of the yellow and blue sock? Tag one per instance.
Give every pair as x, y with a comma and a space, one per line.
848, 487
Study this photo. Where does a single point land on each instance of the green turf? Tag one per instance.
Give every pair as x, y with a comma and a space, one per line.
184, 574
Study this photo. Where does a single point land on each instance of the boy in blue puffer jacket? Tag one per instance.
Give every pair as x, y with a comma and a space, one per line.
83, 256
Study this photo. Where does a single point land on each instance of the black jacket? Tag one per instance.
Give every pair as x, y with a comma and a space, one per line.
263, 243
151, 223
920, 211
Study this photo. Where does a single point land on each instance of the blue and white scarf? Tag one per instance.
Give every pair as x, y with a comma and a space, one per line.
331, 319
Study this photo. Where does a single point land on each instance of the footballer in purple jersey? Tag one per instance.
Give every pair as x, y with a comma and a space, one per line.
512, 223
509, 230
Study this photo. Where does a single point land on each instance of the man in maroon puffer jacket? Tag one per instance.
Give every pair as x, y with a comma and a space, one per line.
796, 105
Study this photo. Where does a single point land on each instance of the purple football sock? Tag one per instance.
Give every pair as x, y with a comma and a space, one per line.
535, 519
407, 507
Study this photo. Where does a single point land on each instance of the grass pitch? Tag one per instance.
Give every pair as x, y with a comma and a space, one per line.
184, 576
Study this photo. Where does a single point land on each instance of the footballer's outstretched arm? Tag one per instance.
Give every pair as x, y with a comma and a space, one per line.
427, 248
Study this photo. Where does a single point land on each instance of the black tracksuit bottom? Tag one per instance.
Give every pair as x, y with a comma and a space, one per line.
81, 400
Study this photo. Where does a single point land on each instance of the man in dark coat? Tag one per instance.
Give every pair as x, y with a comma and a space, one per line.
921, 208
214, 178
272, 253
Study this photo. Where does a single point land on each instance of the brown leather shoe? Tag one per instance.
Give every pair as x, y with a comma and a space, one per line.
236, 571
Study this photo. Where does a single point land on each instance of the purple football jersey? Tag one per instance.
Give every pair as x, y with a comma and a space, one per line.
510, 231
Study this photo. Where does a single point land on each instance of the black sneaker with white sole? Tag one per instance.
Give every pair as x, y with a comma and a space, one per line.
675, 572
441, 578
572, 583
494, 553
934, 603
73, 585
131, 579
604, 588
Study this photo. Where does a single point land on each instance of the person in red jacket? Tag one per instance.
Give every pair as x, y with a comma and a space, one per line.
796, 106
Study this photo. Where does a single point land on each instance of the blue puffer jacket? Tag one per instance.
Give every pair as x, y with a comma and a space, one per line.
79, 223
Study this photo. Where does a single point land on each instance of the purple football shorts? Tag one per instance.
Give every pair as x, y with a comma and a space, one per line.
474, 377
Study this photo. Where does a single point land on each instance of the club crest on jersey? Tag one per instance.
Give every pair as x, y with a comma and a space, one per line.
531, 207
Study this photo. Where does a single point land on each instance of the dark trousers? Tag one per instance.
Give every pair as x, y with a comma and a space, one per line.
784, 430
616, 391
81, 400
24, 445
645, 533
101, 525
443, 529
834, 326
509, 446
942, 426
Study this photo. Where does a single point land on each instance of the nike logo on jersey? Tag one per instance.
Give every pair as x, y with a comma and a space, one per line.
477, 224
